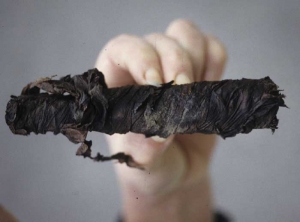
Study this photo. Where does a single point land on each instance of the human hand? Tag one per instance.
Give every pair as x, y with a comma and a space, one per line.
180, 163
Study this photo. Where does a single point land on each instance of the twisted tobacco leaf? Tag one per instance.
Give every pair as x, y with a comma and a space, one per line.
75, 105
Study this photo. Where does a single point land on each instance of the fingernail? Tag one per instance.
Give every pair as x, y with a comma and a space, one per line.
182, 79
153, 78
158, 139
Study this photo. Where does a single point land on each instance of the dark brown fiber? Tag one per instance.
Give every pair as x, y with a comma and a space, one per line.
75, 105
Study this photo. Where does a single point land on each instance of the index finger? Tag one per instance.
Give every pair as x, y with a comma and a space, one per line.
128, 59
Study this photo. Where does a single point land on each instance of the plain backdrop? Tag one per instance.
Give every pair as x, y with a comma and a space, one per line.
255, 177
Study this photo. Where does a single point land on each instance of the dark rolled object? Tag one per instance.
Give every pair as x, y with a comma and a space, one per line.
75, 105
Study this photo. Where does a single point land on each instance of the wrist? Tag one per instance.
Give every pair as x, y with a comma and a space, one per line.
189, 203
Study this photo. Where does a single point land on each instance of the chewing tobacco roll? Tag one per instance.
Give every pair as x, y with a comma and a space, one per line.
75, 105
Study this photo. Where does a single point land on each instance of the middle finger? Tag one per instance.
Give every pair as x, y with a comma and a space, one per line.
175, 61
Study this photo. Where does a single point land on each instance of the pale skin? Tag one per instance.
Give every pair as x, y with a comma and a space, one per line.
175, 185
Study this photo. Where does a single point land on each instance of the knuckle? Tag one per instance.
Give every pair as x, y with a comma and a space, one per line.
181, 23
220, 52
121, 38
154, 35
160, 41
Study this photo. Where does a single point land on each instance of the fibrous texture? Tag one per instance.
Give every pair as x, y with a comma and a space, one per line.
75, 105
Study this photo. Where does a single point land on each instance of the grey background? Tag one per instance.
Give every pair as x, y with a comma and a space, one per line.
255, 177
